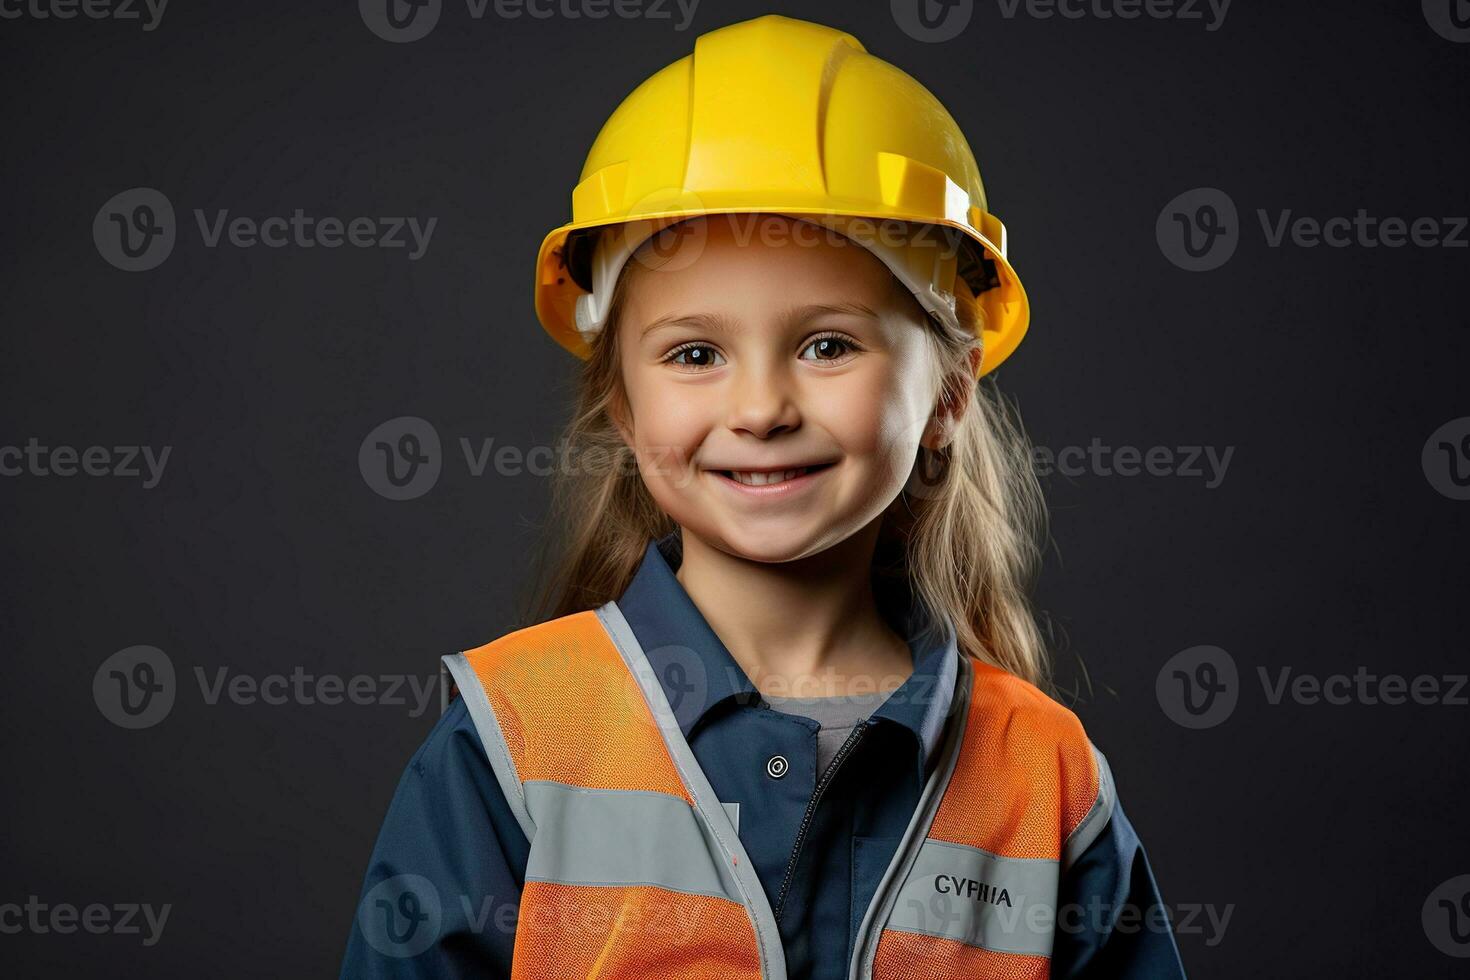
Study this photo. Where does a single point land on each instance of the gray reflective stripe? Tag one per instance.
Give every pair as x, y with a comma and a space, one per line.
445, 682
972, 896
483, 715
622, 837
732, 810
752, 893
865, 946
1096, 820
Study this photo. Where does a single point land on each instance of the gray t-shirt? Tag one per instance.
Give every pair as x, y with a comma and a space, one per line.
838, 716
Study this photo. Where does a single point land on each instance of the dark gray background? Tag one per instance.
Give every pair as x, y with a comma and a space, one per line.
264, 550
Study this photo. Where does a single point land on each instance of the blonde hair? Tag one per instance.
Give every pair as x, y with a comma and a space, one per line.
968, 546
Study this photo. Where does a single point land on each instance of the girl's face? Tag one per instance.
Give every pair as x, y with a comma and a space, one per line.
748, 353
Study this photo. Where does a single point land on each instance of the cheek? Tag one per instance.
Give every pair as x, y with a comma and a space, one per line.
880, 420
668, 426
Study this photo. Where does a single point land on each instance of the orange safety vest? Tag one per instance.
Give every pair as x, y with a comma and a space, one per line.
635, 868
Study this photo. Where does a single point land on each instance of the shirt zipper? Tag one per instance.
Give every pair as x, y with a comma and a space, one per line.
806, 818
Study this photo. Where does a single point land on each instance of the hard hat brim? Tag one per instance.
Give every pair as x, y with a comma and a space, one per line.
1006, 310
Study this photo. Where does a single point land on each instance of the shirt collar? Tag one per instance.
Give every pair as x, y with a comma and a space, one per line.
697, 673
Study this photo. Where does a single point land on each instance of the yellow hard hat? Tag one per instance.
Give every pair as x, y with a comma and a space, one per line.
786, 116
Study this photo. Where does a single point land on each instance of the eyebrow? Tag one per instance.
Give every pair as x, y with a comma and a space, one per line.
719, 323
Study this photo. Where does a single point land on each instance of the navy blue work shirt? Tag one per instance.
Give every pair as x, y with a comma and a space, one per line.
450, 827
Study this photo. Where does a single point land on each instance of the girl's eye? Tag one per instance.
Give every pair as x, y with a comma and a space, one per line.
830, 348
698, 355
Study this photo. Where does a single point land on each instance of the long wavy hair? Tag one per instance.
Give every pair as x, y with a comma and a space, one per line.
966, 538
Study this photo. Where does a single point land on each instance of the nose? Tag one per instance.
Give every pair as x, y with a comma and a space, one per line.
761, 402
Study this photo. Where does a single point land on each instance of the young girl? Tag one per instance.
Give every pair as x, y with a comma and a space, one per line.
784, 713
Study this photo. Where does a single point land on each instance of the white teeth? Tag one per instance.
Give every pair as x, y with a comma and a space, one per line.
761, 479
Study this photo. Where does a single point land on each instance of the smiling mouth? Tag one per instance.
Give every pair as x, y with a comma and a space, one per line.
760, 478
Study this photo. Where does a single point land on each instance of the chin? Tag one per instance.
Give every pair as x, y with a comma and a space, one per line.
772, 546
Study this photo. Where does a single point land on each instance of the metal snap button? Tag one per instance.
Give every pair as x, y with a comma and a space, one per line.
776, 766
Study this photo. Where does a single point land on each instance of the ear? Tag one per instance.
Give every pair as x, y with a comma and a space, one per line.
617, 411
939, 430
953, 401
976, 355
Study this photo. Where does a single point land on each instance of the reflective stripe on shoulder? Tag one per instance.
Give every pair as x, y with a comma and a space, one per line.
1090, 828
623, 837
959, 892
751, 893
493, 739
880, 908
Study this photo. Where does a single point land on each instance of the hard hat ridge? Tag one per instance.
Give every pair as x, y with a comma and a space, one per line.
789, 117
